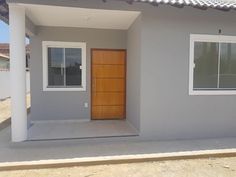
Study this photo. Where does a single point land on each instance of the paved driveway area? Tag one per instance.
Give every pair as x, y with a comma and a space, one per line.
210, 167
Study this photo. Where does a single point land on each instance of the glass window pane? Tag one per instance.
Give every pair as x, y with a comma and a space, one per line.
206, 65
55, 67
73, 62
228, 65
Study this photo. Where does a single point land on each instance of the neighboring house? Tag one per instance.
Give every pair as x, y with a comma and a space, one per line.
165, 69
4, 62
5, 51
5, 74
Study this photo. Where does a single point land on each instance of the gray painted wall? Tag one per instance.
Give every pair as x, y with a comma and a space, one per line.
133, 73
66, 105
166, 109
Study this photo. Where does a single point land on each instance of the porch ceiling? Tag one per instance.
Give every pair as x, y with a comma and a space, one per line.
43, 15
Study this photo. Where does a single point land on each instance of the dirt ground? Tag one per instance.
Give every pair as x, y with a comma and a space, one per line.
5, 111
213, 167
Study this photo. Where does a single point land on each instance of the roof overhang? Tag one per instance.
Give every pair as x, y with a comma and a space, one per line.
202, 4
60, 16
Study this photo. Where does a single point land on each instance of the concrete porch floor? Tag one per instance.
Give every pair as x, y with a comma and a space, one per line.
74, 150
88, 129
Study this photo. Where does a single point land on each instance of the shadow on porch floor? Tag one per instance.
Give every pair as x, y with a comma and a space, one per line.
90, 129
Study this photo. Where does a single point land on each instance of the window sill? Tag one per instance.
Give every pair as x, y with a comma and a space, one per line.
212, 92
65, 89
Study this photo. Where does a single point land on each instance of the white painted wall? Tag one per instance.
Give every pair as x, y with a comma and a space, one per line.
5, 83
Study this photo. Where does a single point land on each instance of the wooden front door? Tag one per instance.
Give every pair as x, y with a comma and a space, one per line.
108, 84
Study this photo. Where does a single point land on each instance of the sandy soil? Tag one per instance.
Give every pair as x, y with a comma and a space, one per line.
5, 111
215, 167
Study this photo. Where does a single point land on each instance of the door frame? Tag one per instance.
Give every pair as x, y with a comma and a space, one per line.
91, 77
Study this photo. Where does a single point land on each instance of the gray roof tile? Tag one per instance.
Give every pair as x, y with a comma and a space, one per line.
218, 4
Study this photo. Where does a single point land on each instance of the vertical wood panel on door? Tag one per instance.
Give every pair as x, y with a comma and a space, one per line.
108, 80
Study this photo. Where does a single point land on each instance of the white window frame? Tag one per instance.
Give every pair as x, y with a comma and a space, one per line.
206, 38
45, 46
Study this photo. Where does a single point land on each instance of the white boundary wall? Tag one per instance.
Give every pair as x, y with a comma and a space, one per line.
5, 83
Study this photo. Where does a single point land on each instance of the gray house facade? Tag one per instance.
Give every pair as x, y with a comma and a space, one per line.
178, 71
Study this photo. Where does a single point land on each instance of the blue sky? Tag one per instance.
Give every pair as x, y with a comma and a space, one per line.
4, 33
